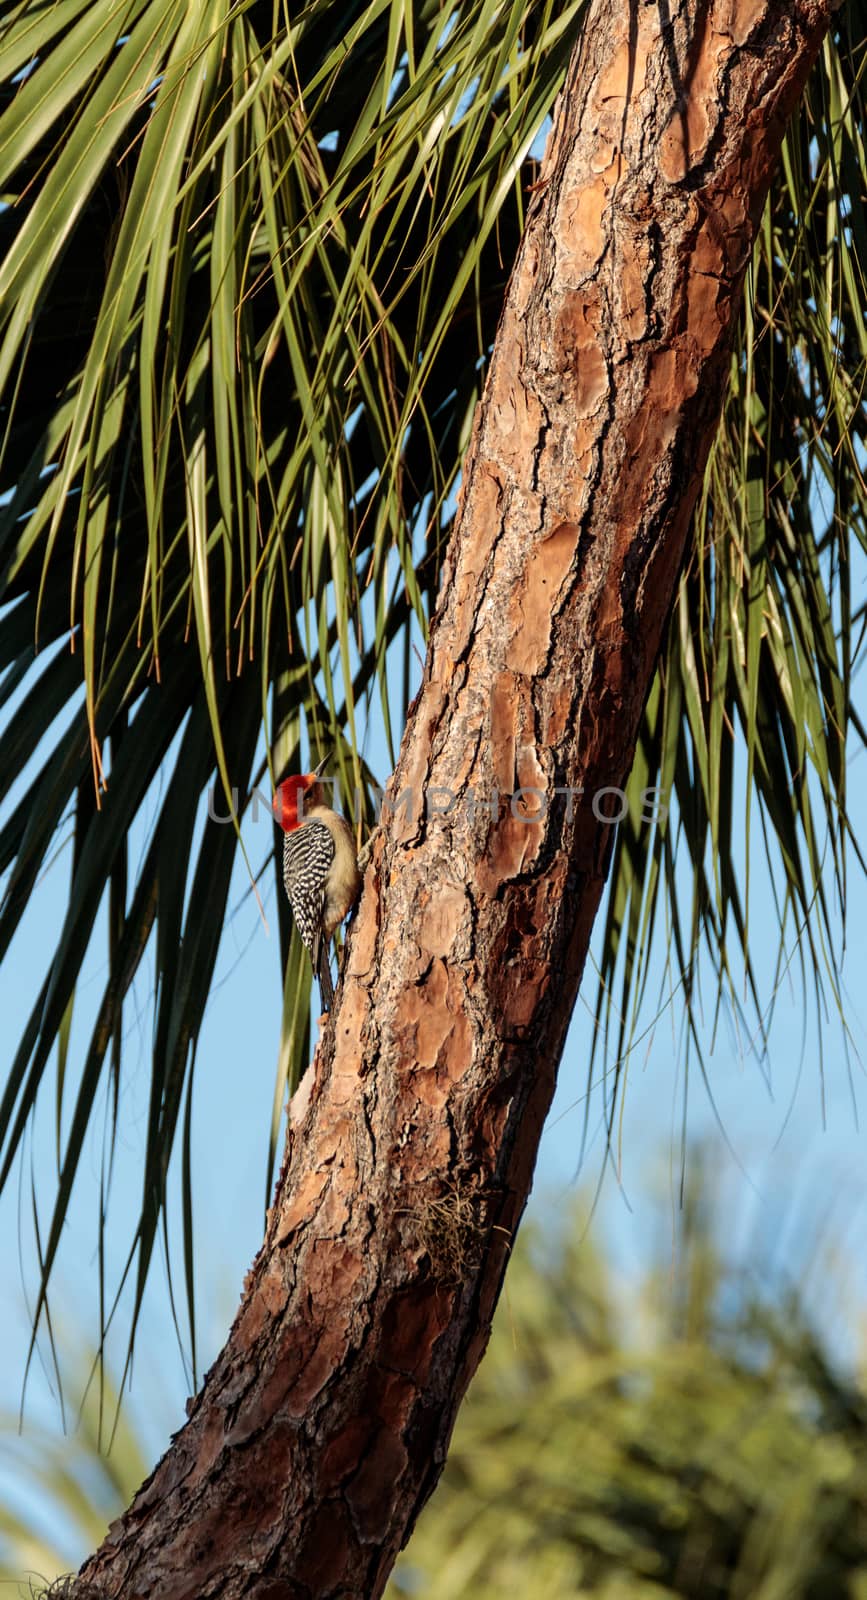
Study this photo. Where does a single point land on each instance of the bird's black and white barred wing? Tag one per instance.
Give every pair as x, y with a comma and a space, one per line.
307, 856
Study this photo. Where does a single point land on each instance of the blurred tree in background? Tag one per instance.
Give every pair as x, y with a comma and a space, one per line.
689, 1434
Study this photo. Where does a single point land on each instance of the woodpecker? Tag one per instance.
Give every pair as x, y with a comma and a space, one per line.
320, 869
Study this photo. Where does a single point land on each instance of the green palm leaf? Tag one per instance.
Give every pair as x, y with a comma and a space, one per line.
246, 259
752, 712
252, 266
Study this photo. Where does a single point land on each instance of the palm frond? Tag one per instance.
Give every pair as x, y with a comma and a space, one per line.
251, 266
752, 714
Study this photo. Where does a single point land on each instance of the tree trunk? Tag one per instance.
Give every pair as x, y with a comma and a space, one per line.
323, 1426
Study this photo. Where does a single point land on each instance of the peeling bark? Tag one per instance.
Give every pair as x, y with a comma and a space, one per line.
323, 1426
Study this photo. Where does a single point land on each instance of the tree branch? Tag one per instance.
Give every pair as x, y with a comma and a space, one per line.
323, 1426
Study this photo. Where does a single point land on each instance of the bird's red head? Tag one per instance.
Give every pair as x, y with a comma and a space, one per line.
295, 797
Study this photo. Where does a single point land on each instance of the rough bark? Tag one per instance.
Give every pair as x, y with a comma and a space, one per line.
323, 1426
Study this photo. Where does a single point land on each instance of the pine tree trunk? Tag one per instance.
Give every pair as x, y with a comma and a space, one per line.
324, 1424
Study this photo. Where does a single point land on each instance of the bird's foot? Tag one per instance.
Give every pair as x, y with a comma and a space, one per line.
366, 850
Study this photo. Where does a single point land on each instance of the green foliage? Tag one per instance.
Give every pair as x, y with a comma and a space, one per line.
751, 715
689, 1438
253, 263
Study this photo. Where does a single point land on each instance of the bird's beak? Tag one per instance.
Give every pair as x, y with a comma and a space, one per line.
318, 771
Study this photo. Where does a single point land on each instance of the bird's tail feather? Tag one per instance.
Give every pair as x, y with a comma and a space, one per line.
326, 986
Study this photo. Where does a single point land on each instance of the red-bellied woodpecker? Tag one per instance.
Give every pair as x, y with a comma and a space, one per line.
320, 868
